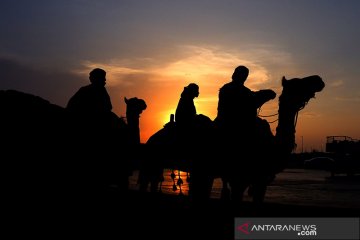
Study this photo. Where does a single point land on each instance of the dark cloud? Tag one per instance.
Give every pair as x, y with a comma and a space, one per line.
56, 86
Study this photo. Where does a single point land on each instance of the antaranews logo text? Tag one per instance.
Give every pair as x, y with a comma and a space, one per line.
301, 230
296, 228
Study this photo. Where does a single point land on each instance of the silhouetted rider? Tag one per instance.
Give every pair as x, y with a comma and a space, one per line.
99, 133
93, 98
193, 133
237, 106
185, 115
239, 127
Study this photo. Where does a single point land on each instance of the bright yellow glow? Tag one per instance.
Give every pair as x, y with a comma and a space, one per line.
165, 116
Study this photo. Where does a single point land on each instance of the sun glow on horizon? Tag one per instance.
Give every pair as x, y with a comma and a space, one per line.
161, 84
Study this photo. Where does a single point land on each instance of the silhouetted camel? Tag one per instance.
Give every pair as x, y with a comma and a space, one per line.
46, 151
256, 165
271, 153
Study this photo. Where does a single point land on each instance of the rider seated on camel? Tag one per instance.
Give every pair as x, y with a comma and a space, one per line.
91, 104
239, 127
185, 115
188, 122
237, 106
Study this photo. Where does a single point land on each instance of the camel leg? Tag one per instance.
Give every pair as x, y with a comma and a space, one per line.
225, 191
238, 187
200, 187
259, 190
143, 180
260, 187
152, 176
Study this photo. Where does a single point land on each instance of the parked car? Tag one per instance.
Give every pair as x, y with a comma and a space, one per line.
320, 163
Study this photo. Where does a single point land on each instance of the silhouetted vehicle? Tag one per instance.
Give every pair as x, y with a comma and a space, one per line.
320, 163
346, 152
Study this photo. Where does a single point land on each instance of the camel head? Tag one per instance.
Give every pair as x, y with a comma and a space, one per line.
298, 91
265, 95
135, 106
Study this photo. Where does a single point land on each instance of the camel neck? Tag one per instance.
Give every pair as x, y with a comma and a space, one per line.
285, 131
133, 126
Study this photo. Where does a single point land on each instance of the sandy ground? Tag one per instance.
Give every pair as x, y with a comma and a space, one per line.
300, 187
112, 214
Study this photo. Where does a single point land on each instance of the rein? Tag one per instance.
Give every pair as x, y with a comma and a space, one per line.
265, 116
275, 114
297, 112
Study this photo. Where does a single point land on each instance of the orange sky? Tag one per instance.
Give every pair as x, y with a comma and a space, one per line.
162, 85
152, 49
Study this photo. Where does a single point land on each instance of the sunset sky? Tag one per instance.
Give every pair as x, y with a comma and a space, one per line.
151, 49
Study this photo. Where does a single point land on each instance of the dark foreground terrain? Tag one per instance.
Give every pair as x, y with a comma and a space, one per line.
137, 215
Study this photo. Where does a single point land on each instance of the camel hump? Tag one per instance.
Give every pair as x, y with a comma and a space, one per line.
22, 102
14, 96
204, 120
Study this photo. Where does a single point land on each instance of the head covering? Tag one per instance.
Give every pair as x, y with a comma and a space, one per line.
193, 87
191, 90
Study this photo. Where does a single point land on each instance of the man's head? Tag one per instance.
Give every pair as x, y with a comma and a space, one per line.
240, 74
98, 77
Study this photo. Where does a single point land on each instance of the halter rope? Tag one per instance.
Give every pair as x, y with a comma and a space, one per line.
265, 116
